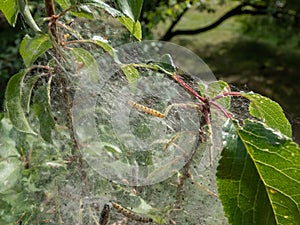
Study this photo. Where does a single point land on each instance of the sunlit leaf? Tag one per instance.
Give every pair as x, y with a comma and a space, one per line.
134, 28
13, 103
131, 8
42, 109
259, 175
10, 11
269, 112
32, 48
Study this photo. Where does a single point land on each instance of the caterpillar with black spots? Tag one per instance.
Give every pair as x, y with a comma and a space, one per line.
131, 215
146, 109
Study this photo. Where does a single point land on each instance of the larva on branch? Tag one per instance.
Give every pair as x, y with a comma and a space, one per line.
131, 215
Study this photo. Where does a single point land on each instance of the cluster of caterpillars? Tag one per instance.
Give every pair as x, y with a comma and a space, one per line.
104, 217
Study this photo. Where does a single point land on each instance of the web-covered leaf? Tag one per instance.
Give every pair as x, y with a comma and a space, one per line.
78, 10
98, 40
82, 9
165, 64
13, 101
33, 48
269, 112
214, 89
10, 164
27, 92
24, 10
87, 60
132, 75
42, 109
258, 176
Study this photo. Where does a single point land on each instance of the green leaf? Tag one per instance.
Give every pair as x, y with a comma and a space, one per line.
269, 112
24, 10
132, 75
27, 91
10, 11
64, 4
131, 8
42, 109
100, 4
165, 64
88, 61
98, 40
13, 103
259, 175
32, 48
134, 28
79, 10
83, 11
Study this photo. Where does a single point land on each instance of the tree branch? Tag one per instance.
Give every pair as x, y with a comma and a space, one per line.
174, 23
238, 10
50, 11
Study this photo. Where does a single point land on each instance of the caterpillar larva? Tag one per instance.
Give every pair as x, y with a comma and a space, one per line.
104, 217
146, 110
130, 214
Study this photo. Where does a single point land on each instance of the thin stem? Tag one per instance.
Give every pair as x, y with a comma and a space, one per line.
39, 67
50, 10
169, 33
226, 114
204, 188
200, 138
188, 88
65, 11
185, 172
224, 94
58, 56
148, 66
